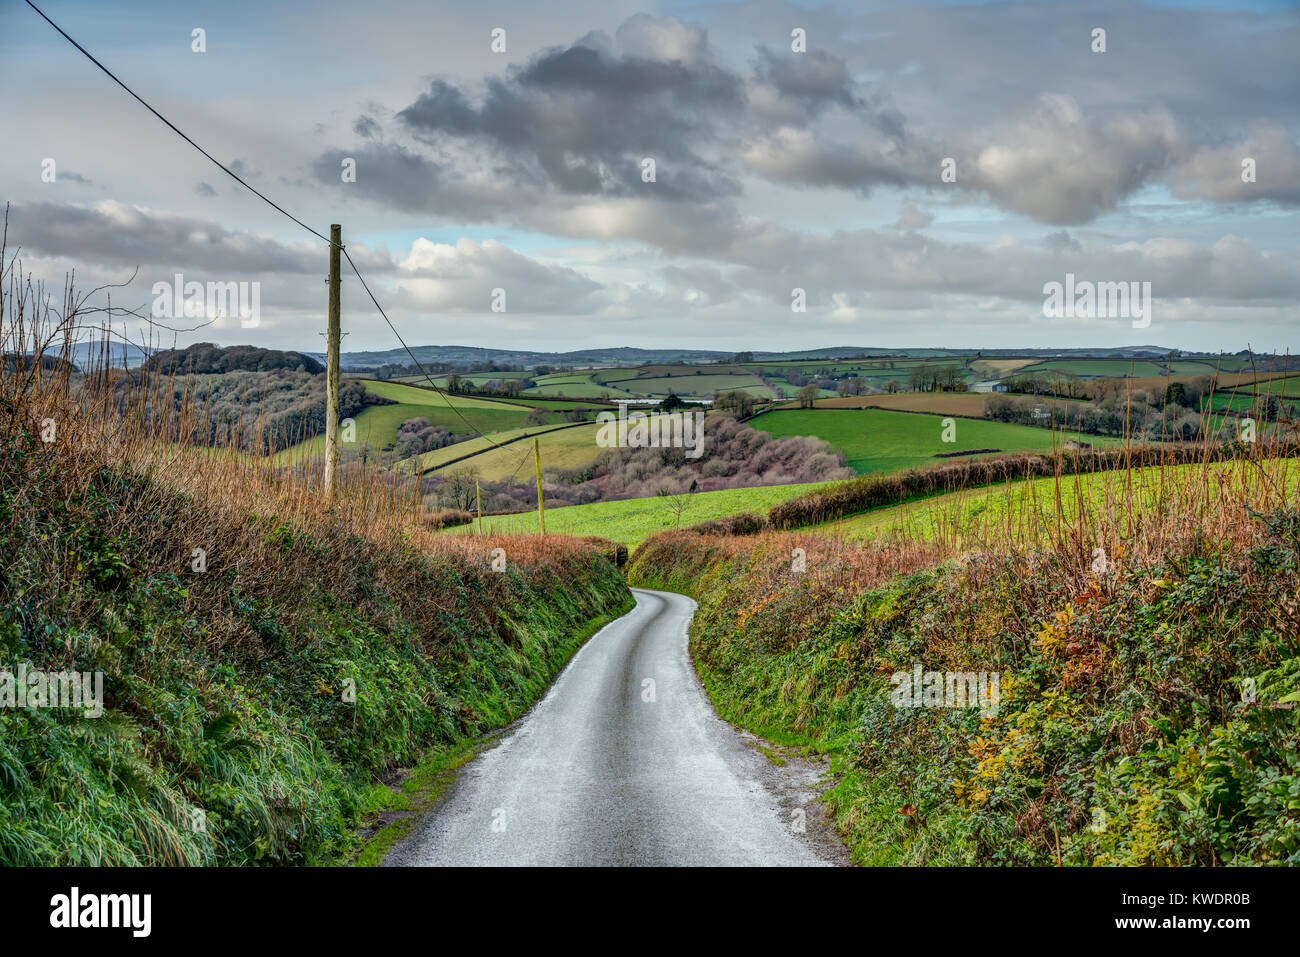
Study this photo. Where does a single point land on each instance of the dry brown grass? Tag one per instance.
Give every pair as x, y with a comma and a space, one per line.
264, 525
1138, 514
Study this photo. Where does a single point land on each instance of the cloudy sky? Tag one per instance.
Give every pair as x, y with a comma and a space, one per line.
774, 169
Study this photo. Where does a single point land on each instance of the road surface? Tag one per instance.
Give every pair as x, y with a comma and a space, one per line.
623, 762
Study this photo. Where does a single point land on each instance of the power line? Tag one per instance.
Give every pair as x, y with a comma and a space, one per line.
280, 209
453, 408
225, 169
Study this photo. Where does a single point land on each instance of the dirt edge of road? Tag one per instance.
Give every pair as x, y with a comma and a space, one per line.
796, 780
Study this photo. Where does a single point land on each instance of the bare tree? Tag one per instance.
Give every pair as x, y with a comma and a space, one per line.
678, 502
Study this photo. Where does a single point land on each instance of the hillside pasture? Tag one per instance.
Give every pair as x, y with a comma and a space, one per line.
879, 440
633, 520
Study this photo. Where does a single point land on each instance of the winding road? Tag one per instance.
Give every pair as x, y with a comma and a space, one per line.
623, 762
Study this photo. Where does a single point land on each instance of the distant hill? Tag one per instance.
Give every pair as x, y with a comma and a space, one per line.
471, 355
120, 354
630, 355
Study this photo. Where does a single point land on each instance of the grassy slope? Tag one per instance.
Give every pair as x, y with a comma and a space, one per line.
480, 444
560, 448
1121, 735
577, 387
1096, 367
971, 511
874, 440
225, 690
938, 403
377, 425
631, 521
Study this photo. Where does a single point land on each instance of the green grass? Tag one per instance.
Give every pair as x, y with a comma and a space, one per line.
875, 440
560, 449
1096, 367
700, 386
631, 521
419, 791
483, 444
1288, 387
1123, 698
377, 425
971, 511
227, 692
415, 395
650, 381
578, 385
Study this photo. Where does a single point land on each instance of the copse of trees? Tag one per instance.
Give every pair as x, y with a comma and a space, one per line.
257, 412
13, 362
419, 435
739, 404
207, 357
945, 378
736, 455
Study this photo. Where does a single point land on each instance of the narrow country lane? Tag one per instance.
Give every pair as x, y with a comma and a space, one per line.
623, 762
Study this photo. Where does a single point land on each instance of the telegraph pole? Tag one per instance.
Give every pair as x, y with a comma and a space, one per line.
332, 367
478, 505
541, 509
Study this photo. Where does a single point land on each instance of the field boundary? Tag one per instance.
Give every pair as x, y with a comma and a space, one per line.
502, 444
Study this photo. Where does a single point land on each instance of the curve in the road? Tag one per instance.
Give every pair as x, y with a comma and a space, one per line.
623, 762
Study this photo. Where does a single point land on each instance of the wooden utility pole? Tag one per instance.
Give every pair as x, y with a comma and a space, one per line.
332, 367
541, 509
478, 505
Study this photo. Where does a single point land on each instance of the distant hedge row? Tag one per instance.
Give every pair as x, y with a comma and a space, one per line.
877, 491
841, 499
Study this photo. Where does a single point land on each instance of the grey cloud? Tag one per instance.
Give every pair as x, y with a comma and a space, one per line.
385, 172
816, 78
1060, 166
119, 235
913, 217
1216, 173
365, 127
1061, 240
463, 277
581, 119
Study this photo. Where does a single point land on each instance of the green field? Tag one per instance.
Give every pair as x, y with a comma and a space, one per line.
1252, 395
579, 385
480, 444
886, 367
874, 440
652, 381
1033, 502
1098, 367
527, 398
633, 520
698, 386
377, 425
1288, 387
561, 448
